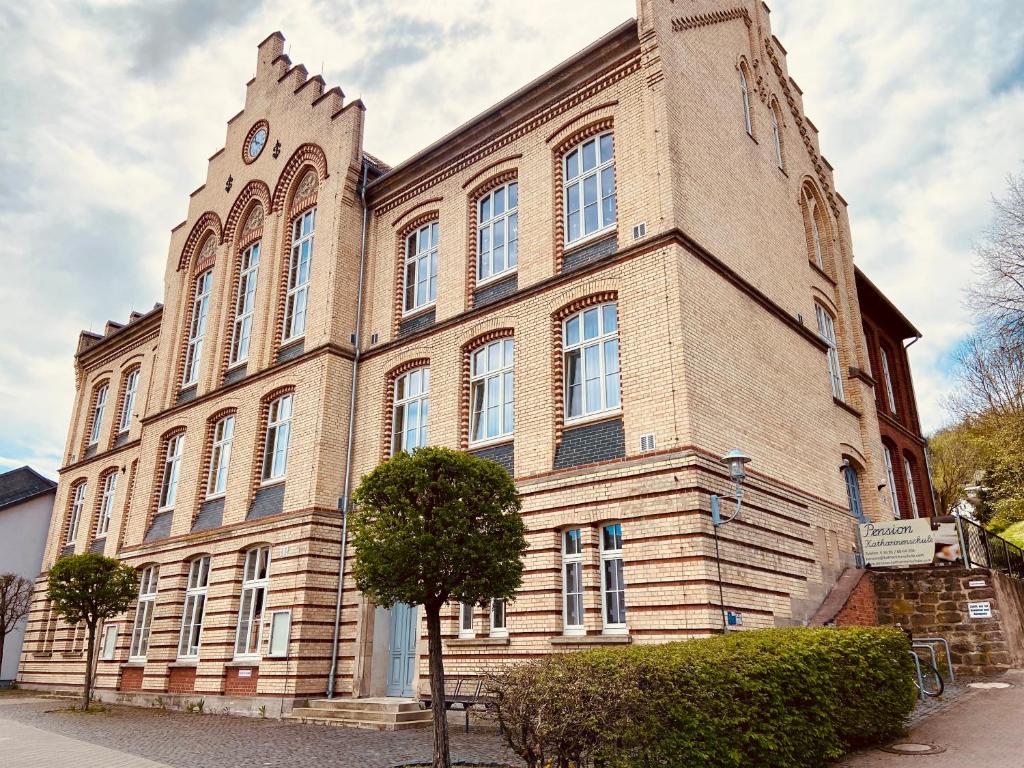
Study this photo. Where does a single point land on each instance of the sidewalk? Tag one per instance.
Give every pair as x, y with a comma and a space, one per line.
983, 730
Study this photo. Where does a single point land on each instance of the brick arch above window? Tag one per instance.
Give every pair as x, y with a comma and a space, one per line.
256, 192
97, 385
467, 350
101, 481
255, 470
306, 156
813, 210
208, 223
399, 278
389, 398
473, 215
204, 464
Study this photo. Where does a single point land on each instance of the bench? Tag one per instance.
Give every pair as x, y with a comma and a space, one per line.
464, 692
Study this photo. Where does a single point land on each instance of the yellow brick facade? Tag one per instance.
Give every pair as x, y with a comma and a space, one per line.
715, 300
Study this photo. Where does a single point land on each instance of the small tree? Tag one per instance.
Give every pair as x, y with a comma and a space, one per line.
435, 526
90, 588
15, 598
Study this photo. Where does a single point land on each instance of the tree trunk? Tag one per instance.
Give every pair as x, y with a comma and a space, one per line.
3, 638
442, 757
89, 666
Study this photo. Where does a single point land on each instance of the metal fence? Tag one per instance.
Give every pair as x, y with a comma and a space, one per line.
982, 549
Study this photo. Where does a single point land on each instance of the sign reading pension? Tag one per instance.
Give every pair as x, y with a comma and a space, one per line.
898, 542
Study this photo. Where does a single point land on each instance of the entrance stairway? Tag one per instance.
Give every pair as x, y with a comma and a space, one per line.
381, 714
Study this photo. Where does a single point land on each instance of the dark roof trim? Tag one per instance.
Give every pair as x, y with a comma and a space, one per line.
909, 328
40, 487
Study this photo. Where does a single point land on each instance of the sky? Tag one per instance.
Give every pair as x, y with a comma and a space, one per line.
109, 109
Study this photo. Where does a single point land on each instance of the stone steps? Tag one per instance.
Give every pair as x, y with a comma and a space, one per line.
376, 714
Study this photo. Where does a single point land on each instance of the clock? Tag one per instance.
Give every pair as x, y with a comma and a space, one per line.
256, 141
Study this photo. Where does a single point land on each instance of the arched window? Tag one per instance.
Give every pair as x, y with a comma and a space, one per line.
908, 469
492, 391
421, 249
130, 388
275, 443
891, 478
245, 292
745, 95
75, 513
220, 456
816, 228
777, 132
169, 477
498, 232
197, 326
99, 406
827, 332
590, 349
589, 193
144, 613
106, 510
890, 392
411, 409
852, 478
299, 264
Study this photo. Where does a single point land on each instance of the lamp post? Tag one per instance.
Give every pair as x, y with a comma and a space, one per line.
735, 460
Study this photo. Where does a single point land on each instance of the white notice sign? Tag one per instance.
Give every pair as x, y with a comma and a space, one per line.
899, 542
980, 610
245, 673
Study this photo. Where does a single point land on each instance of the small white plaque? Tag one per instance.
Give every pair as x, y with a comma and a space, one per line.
245, 673
980, 610
977, 583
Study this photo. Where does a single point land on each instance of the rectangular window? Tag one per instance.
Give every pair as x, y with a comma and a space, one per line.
613, 588
75, 515
466, 629
745, 94
144, 613
99, 405
108, 642
498, 232
498, 628
245, 302
279, 425
195, 608
412, 407
890, 394
172, 460
491, 391
131, 386
908, 470
589, 171
106, 504
197, 329
891, 478
827, 332
220, 456
255, 579
280, 633
853, 493
299, 265
572, 581
421, 267
591, 344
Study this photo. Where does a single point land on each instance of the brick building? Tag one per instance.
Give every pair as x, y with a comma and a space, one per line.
605, 281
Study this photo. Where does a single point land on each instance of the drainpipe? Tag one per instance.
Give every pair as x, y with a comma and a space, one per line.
345, 503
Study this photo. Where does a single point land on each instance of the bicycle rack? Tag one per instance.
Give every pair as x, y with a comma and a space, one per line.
920, 677
929, 642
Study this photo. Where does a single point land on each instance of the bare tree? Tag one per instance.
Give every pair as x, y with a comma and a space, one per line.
998, 293
989, 374
15, 598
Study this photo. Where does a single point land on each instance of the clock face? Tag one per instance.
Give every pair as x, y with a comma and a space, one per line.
257, 142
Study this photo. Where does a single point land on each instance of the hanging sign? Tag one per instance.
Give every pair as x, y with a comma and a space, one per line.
897, 542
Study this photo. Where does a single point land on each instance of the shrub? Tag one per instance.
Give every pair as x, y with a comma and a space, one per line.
792, 698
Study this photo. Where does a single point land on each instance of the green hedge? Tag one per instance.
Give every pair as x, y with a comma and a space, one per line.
784, 698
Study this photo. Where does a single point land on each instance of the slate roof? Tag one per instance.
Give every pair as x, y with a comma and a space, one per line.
22, 484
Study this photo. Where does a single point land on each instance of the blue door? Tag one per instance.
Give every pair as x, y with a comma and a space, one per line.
402, 650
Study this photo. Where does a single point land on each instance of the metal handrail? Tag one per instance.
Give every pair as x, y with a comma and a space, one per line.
983, 549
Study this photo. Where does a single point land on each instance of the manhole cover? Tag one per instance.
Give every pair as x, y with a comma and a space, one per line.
911, 748
989, 686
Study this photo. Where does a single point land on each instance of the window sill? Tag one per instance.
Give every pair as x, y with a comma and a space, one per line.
72, 654
591, 639
466, 642
133, 663
592, 418
407, 314
184, 664
601, 234
751, 137
821, 272
215, 496
503, 440
251, 661
846, 407
496, 278
242, 363
272, 481
42, 655
288, 342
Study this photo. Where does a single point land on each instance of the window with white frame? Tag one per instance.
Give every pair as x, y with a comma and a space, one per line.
195, 607
144, 612
197, 328
245, 302
220, 456
498, 626
589, 170
131, 386
492, 391
498, 232
466, 629
106, 503
591, 352
280, 633
255, 580
613, 587
908, 470
275, 449
421, 249
777, 135
299, 264
891, 478
572, 581
411, 410
745, 94
108, 642
98, 407
812, 211
890, 393
75, 515
827, 332
172, 461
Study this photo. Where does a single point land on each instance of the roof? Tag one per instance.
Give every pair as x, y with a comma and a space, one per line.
868, 292
22, 484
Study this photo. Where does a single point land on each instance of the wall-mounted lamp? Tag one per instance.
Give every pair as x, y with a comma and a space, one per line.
736, 460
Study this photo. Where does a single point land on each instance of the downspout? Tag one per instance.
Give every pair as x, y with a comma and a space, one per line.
345, 503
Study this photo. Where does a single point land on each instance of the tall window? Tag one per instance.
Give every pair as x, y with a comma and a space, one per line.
298, 275
491, 391
613, 588
745, 95
197, 329
220, 456
75, 515
908, 470
853, 492
255, 579
466, 629
572, 581
172, 460
131, 386
777, 134
421, 266
827, 332
275, 450
498, 232
891, 478
591, 344
245, 301
195, 607
412, 407
144, 612
99, 405
812, 211
589, 187
498, 627
890, 394
106, 503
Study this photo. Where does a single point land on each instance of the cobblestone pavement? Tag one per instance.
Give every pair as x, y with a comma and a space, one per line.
213, 741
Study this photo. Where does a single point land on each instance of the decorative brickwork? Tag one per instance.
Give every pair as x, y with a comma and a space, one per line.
259, 124
307, 155
207, 222
467, 352
424, 218
389, 400
255, 193
473, 213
